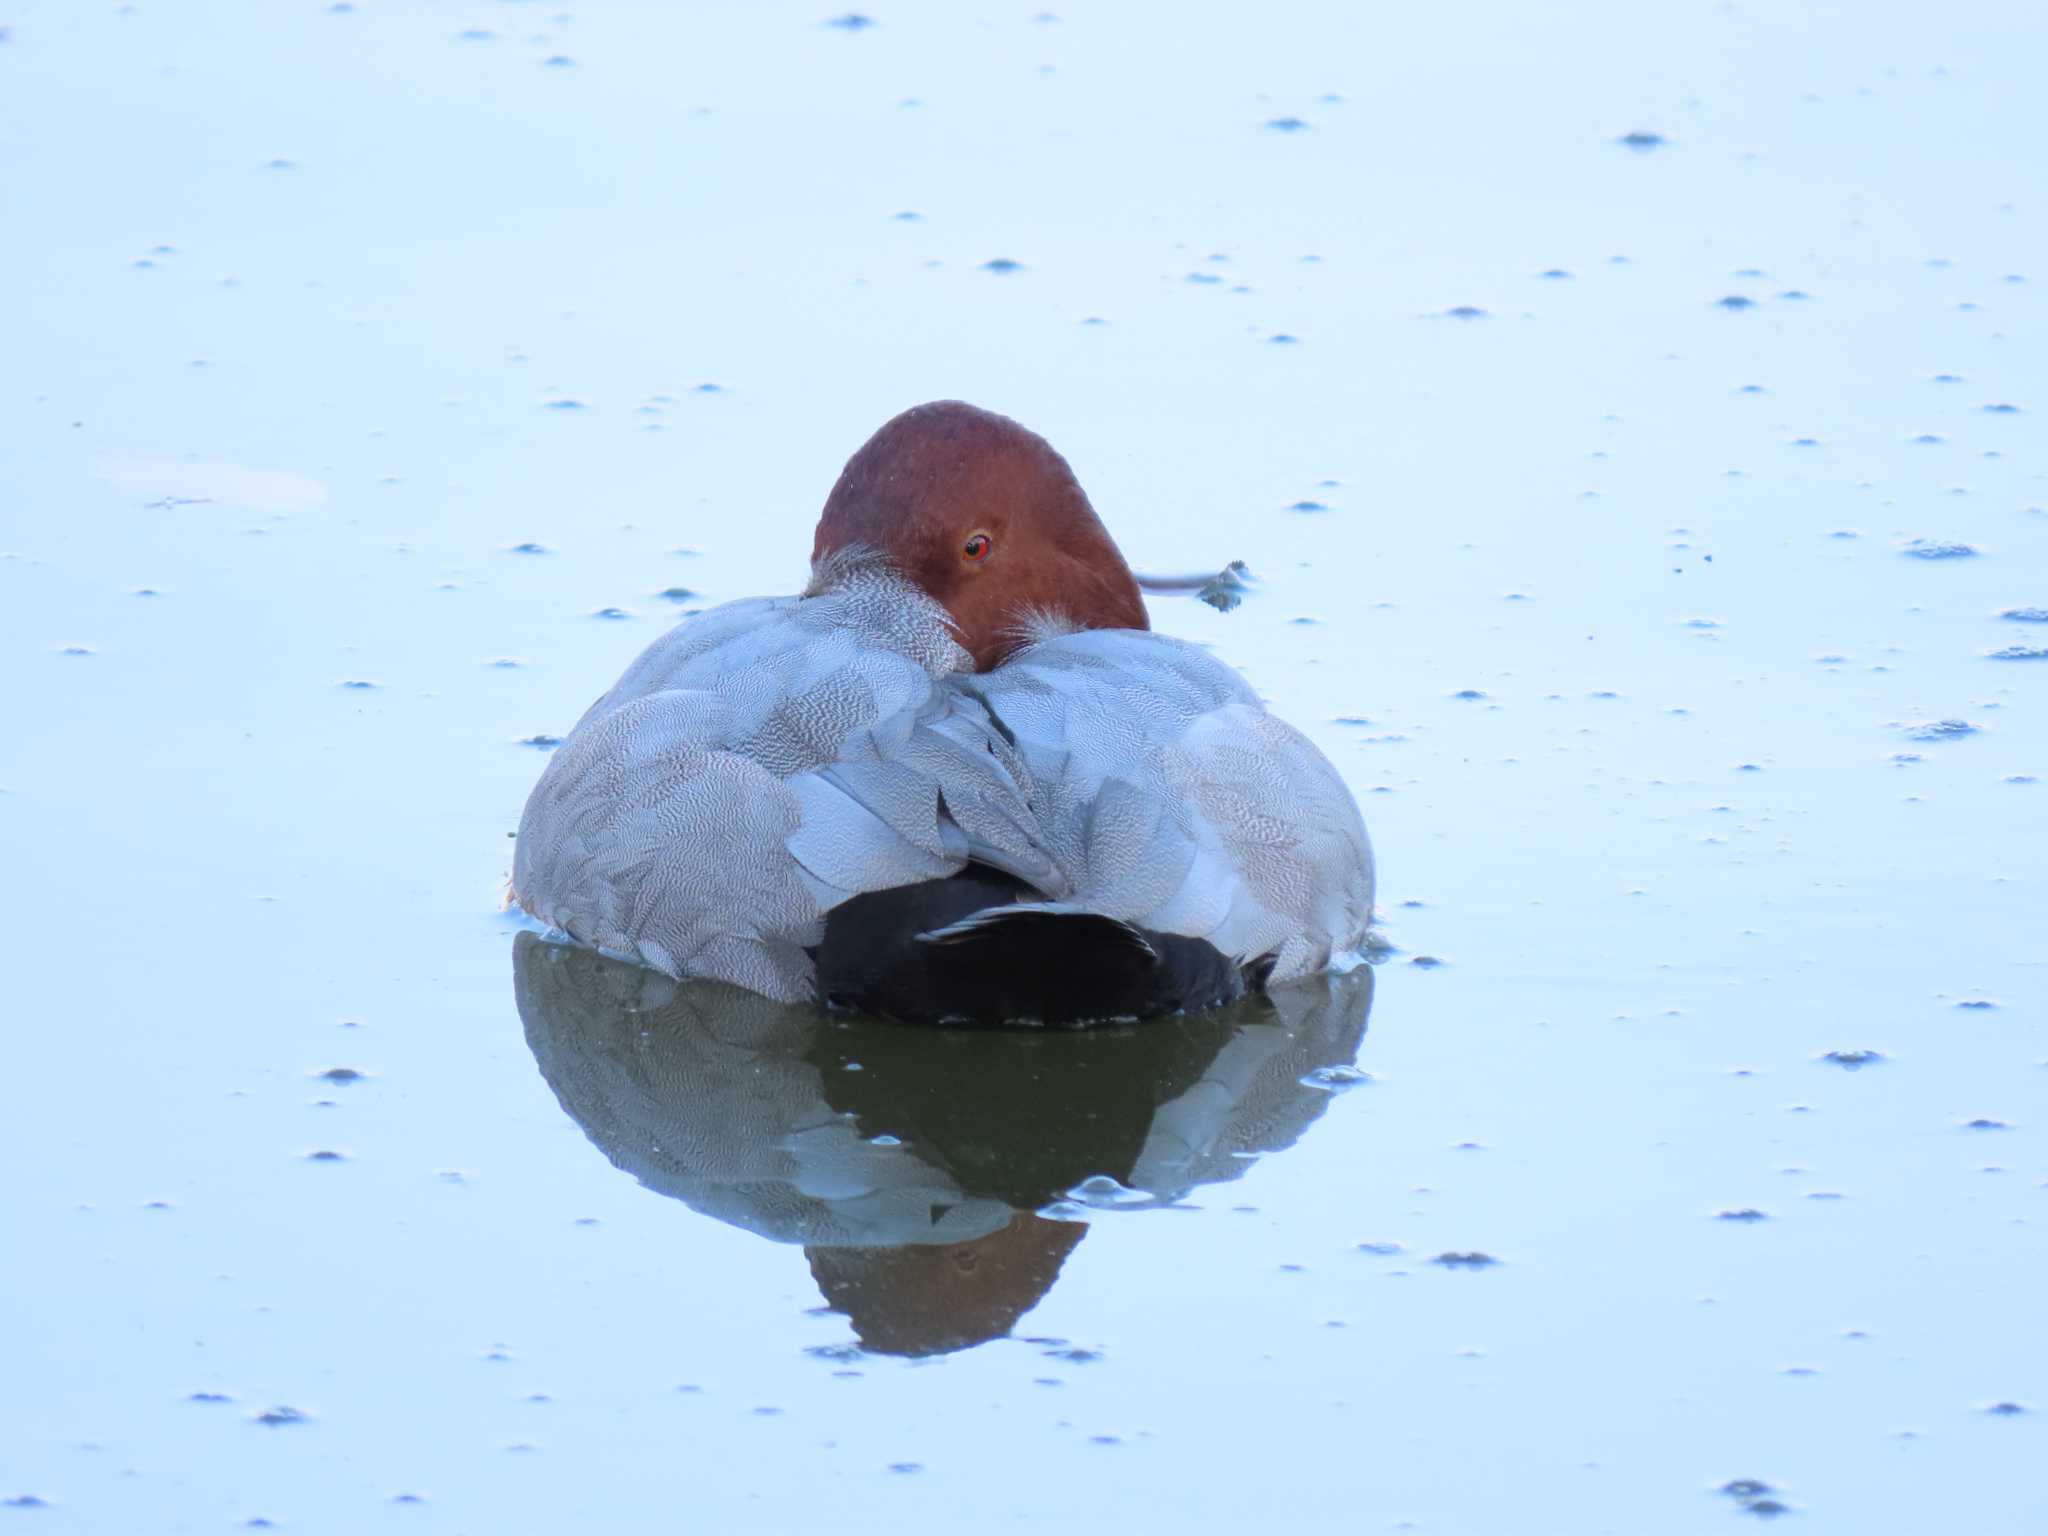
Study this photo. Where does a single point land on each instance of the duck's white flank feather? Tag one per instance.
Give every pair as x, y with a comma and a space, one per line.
760, 764
1173, 801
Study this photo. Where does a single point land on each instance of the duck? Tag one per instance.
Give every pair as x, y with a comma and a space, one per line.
957, 779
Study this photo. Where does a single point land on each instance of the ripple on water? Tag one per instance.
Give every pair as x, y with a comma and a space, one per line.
1471, 1259
1938, 730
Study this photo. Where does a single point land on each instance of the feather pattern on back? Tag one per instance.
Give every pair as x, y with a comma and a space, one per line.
1172, 800
762, 763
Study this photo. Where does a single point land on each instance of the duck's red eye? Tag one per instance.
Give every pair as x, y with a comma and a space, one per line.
977, 547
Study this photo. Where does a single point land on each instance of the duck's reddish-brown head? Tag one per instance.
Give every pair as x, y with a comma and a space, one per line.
988, 519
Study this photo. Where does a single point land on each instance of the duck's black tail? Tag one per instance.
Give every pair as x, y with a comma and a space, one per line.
967, 951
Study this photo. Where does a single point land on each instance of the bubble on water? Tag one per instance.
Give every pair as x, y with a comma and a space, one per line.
2025, 615
326, 1155
1471, 1259
281, 1415
566, 403
208, 1397
1306, 505
542, 741
1766, 1509
2019, 653
2008, 1410
852, 21
611, 613
1985, 1123
1286, 124
1795, 295
1805, 442
476, 35
1464, 312
358, 682
1642, 140
1747, 1213
558, 61
1937, 549
1736, 301
675, 594
1002, 264
1469, 693
1426, 962
906, 1468
1077, 1355
1335, 1079
1380, 1250
1939, 730
1702, 623
1854, 1060
1928, 439
2000, 408
341, 1075
77, 650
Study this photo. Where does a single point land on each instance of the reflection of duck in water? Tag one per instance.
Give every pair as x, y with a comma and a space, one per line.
910, 1163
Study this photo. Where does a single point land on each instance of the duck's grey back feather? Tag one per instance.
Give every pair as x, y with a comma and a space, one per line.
758, 765
1172, 800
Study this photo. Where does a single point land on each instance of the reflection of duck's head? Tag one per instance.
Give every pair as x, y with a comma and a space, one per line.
925, 1300
906, 1160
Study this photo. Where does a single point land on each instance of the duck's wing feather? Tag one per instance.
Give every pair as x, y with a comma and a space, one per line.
1172, 800
757, 766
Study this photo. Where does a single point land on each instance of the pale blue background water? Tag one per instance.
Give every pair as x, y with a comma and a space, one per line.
290, 291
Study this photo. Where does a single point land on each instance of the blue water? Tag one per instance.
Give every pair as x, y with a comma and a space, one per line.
1678, 505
